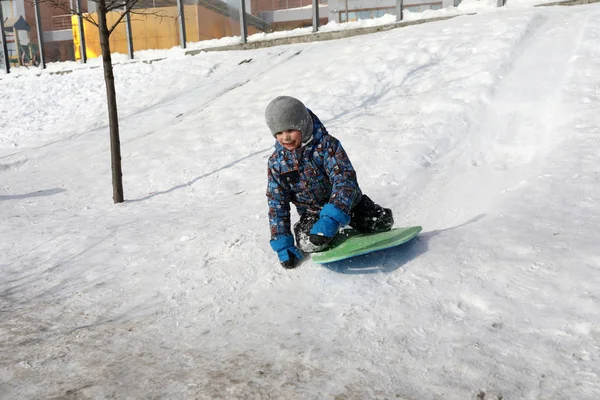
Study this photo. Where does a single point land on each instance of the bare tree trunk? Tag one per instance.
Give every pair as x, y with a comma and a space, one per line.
111, 95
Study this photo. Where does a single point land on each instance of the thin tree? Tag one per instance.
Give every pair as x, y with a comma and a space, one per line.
103, 8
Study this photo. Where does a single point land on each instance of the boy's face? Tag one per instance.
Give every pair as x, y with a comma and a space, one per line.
291, 139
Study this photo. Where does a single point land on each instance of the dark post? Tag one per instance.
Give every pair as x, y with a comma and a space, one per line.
4, 47
243, 23
182, 37
315, 6
346, 5
128, 32
82, 48
399, 7
38, 24
18, 46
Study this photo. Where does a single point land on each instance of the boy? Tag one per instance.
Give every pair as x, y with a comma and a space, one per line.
311, 169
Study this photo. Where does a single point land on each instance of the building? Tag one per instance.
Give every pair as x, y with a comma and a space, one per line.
22, 35
354, 10
290, 14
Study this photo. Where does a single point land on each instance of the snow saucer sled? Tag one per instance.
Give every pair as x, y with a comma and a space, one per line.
351, 243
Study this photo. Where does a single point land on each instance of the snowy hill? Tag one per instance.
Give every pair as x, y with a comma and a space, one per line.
483, 129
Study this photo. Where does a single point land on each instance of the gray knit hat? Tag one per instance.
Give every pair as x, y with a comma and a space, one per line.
285, 112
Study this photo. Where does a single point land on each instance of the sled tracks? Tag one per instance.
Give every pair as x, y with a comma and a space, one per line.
522, 121
507, 140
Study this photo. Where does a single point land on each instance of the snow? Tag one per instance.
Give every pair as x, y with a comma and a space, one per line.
483, 129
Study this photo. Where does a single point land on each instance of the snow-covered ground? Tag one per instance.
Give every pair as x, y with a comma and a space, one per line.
483, 129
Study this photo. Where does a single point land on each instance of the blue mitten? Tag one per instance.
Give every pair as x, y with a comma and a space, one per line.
330, 220
288, 254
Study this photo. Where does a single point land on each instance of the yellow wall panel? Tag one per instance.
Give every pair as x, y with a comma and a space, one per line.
158, 29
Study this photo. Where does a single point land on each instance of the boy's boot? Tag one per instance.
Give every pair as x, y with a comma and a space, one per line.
368, 217
302, 232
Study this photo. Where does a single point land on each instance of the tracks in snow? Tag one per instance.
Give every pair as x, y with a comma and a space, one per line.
508, 141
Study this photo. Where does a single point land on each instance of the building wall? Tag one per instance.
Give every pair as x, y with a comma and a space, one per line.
18, 7
212, 25
289, 25
292, 15
282, 18
337, 7
5, 8
258, 6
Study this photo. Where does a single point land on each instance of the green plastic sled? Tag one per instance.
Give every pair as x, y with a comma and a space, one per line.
351, 243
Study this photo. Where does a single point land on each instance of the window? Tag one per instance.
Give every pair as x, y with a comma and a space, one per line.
364, 15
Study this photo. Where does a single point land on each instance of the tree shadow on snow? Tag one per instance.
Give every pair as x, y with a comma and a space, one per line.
39, 193
191, 182
389, 260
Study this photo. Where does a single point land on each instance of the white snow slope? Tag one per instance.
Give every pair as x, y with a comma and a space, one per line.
483, 129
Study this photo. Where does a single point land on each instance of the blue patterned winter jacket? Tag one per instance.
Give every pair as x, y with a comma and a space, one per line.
317, 173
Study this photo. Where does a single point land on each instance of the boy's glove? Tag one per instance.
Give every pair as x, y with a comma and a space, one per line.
324, 230
288, 254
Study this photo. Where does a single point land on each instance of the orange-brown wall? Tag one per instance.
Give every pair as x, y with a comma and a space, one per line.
212, 25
